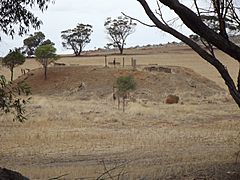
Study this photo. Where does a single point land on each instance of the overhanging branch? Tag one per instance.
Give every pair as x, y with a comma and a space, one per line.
145, 24
192, 21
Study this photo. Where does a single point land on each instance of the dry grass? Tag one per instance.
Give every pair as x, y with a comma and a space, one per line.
154, 137
67, 135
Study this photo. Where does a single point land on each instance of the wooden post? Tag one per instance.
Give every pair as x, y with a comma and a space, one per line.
123, 62
134, 63
105, 60
131, 61
114, 62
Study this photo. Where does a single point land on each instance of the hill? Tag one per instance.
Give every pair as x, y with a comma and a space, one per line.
154, 83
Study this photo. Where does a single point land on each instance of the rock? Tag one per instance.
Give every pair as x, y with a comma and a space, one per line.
172, 99
6, 174
158, 69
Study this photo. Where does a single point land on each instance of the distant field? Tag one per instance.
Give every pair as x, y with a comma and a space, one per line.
175, 56
78, 132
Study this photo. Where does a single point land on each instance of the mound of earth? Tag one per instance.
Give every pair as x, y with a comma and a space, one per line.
153, 83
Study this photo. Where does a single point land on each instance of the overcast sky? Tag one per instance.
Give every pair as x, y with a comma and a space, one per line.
65, 14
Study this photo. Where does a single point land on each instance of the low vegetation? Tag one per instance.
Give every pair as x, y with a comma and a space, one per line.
12, 60
124, 85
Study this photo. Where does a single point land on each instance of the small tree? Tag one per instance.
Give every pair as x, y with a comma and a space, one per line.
45, 54
13, 59
123, 85
118, 30
77, 38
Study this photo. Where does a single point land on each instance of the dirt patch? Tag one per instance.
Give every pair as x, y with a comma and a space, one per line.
152, 85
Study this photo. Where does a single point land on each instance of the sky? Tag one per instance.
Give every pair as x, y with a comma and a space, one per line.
65, 14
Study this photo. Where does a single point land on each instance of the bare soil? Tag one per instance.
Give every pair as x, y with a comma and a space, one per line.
153, 83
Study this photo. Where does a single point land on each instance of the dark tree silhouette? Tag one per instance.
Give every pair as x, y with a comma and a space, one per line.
77, 38
32, 42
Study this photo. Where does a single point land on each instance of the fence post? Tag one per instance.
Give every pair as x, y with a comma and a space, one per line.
134, 63
114, 62
105, 60
123, 62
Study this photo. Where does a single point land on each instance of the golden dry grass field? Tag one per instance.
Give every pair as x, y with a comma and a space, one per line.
79, 132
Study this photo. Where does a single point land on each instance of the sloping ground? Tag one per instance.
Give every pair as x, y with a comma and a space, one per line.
153, 83
73, 125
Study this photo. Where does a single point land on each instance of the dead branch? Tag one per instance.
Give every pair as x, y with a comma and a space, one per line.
109, 171
58, 177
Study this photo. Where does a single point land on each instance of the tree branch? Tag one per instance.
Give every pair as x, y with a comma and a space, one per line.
192, 21
204, 54
149, 25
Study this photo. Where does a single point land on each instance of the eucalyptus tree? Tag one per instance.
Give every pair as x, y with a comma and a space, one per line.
46, 54
13, 59
118, 30
77, 38
32, 42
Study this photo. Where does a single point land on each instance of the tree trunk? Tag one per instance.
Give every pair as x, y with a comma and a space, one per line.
118, 102
78, 54
120, 47
45, 72
123, 104
238, 85
11, 74
121, 50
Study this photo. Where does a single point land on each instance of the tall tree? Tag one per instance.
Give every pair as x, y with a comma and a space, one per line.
32, 42
13, 59
223, 11
46, 54
118, 30
77, 38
